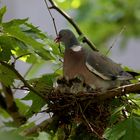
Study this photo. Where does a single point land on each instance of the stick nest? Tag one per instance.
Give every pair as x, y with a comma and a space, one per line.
73, 104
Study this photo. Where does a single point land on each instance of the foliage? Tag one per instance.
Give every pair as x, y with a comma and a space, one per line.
22, 41
102, 19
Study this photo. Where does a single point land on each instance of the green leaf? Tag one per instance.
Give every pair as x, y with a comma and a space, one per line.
4, 114
5, 54
37, 103
36, 46
55, 47
6, 76
126, 130
11, 136
44, 84
2, 12
25, 127
16, 32
132, 128
23, 107
6, 45
43, 136
34, 31
14, 22
116, 132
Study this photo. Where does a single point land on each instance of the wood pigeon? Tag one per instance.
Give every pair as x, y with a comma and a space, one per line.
97, 70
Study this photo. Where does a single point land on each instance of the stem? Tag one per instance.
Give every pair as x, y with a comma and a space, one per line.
72, 22
53, 20
21, 78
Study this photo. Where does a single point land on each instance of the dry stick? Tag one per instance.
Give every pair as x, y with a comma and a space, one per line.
122, 30
71, 21
89, 125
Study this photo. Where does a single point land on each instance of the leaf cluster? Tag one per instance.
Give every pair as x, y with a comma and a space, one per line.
64, 115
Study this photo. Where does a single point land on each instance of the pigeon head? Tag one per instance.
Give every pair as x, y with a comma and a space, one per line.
67, 37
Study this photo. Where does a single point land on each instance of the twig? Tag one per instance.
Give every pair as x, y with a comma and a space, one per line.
71, 21
122, 30
53, 20
21, 78
42, 126
89, 125
24, 76
37, 128
16, 58
126, 89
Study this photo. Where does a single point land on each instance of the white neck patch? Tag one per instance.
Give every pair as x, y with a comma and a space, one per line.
76, 48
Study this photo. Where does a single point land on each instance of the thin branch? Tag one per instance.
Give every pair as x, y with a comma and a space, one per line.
37, 128
126, 89
53, 20
40, 127
24, 76
16, 58
87, 122
71, 21
122, 30
21, 78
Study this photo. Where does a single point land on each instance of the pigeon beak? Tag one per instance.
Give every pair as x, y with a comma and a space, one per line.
57, 40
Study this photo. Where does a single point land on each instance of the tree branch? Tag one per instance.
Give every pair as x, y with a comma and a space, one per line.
40, 127
3, 102
126, 89
21, 78
11, 106
71, 21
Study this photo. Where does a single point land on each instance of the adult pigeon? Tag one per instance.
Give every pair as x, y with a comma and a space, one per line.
97, 70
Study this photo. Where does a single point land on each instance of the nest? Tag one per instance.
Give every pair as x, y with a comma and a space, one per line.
75, 104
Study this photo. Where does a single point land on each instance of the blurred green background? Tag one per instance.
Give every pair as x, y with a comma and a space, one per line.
101, 20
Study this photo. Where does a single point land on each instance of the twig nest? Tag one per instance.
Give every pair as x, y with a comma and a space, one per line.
70, 102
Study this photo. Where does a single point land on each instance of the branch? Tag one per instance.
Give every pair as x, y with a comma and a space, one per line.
88, 124
37, 128
71, 21
94, 97
21, 78
40, 127
11, 106
2, 102
53, 20
126, 89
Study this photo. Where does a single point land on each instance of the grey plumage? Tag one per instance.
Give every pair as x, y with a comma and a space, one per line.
98, 71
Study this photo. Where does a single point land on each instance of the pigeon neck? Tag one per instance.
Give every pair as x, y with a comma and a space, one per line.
72, 42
